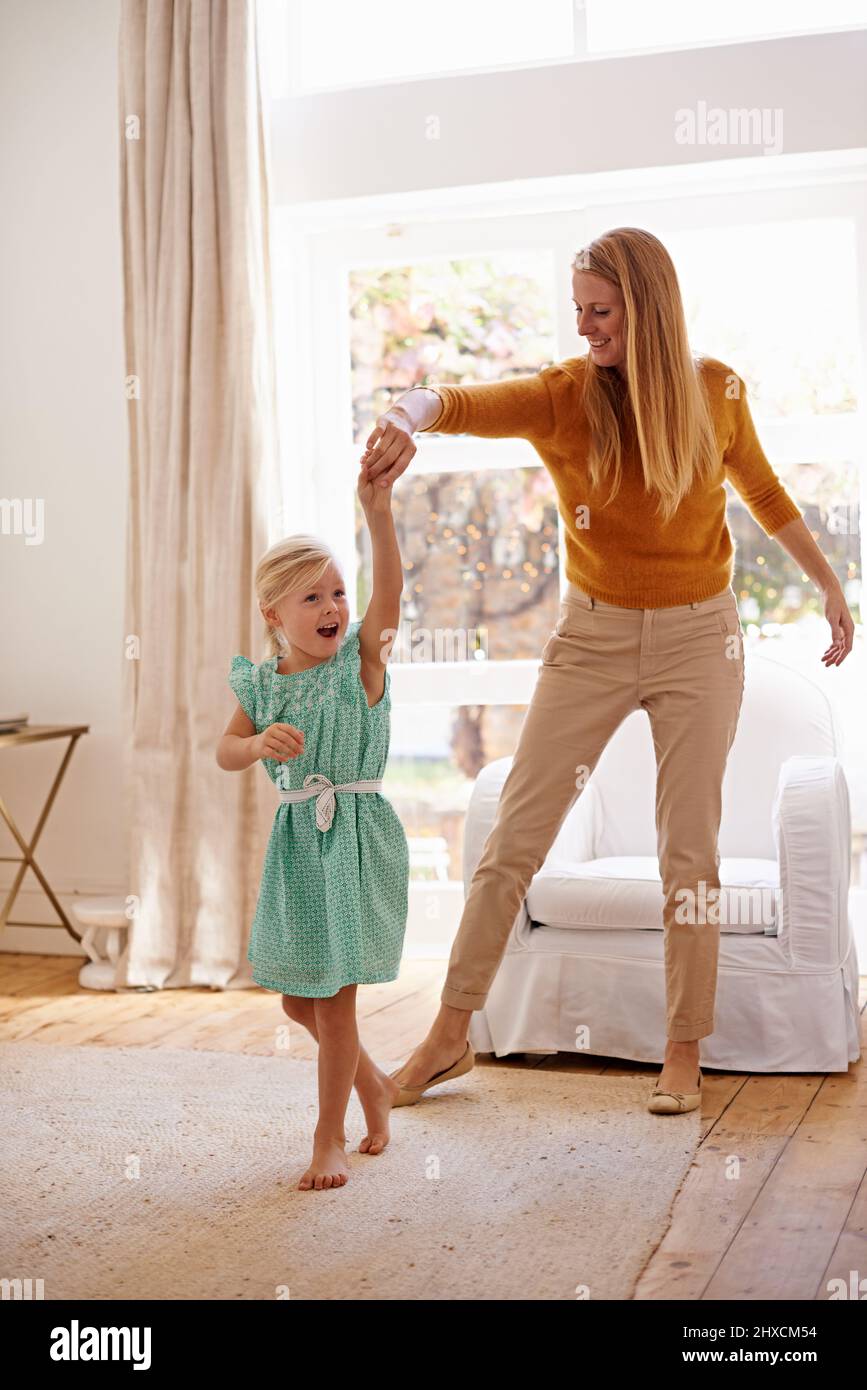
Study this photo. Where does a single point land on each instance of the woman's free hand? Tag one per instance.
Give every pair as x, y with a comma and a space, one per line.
842, 625
390, 448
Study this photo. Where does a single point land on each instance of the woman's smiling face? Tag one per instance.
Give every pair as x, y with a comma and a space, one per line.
601, 313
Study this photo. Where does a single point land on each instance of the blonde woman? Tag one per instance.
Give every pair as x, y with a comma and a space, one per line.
639, 437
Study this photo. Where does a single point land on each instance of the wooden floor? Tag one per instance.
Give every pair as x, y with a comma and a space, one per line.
774, 1206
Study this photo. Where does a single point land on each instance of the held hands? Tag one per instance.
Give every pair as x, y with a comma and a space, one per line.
280, 742
374, 498
390, 450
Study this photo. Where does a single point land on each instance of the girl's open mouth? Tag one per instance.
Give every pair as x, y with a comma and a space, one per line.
329, 630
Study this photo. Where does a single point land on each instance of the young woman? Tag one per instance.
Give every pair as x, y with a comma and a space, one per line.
639, 437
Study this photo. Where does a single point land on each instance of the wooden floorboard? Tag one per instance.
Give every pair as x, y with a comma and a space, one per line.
774, 1205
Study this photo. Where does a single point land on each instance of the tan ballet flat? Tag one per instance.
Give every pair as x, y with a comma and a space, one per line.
410, 1094
674, 1102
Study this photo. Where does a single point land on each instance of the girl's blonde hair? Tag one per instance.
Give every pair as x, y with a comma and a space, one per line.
296, 562
662, 404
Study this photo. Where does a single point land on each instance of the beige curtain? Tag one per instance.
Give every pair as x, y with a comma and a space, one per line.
203, 477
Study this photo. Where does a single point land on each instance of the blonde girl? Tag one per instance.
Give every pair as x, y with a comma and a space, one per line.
331, 911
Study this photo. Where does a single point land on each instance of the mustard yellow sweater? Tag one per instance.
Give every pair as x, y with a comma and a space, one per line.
627, 555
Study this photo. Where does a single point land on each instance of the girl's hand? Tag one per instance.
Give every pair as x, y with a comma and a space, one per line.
372, 496
390, 447
280, 742
842, 626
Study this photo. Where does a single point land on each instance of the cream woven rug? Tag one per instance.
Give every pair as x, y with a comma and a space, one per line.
170, 1174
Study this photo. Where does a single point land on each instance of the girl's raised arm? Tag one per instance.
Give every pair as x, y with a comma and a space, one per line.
382, 618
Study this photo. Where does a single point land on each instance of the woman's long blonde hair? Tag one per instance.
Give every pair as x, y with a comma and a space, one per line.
296, 562
662, 404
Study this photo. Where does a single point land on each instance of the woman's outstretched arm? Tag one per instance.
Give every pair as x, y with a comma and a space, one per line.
520, 408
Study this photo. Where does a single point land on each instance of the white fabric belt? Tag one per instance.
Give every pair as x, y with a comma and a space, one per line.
318, 785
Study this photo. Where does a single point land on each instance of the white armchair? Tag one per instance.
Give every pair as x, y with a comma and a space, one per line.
583, 968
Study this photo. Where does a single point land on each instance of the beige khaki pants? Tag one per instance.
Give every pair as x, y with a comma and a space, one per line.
684, 665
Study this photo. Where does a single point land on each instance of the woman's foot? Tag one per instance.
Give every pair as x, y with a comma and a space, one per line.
328, 1166
432, 1057
681, 1067
377, 1096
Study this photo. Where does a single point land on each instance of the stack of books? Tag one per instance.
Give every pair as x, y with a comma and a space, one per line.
13, 723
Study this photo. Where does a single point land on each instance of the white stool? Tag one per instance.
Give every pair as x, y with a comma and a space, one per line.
104, 924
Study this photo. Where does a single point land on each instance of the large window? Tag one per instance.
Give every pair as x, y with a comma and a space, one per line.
391, 303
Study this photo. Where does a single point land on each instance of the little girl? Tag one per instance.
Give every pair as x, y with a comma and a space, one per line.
332, 904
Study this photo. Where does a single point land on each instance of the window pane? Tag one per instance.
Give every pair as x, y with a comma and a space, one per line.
436, 753
618, 25
778, 302
480, 552
767, 580
751, 301
477, 318
344, 43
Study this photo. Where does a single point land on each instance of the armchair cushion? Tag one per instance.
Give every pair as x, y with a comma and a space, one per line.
624, 892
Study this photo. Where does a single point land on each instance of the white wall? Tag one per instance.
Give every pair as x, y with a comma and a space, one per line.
562, 119
64, 440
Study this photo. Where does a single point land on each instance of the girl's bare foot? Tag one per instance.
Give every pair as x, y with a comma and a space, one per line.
328, 1166
377, 1097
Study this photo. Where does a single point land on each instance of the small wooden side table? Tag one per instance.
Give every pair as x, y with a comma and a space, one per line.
37, 733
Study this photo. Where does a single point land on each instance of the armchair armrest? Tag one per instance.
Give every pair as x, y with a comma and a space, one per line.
575, 839
482, 812
812, 833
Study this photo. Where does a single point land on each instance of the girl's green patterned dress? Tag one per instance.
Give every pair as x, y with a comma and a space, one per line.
332, 903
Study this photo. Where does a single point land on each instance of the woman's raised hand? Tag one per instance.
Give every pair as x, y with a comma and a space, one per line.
280, 742
390, 447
